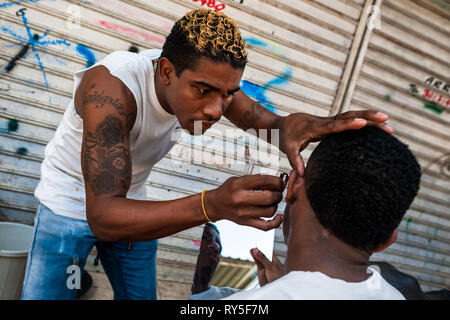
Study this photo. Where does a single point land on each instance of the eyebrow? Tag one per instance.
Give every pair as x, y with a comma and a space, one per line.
215, 88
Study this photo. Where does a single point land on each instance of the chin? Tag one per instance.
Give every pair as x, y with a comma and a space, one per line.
190, 128
198, 133
193, 133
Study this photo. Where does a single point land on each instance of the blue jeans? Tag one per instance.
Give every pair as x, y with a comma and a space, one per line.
61, 245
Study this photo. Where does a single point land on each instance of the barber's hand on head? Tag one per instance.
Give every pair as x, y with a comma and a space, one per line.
299, 129
236, 200
267, 270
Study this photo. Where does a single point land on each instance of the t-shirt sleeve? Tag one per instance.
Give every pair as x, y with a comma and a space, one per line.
127, 74
120, 64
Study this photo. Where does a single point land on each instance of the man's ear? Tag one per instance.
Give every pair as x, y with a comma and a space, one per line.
391, 240
166, 70
296, 182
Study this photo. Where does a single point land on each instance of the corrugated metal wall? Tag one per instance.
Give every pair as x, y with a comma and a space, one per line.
301, 58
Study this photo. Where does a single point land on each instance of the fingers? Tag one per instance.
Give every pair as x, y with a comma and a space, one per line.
268, 270
369, 115
383, 126
260, 258
254, 254
270, 190
255, 212
296, 160
300, 165
355, 120
266, 225
355, 123
342, 125
374, 118
262, 182
262, 278
262, 198
244, 206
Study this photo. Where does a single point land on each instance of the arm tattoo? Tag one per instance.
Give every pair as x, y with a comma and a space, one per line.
100, 100
251, 115
107, 163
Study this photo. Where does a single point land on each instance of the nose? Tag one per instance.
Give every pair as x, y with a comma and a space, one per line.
214, 109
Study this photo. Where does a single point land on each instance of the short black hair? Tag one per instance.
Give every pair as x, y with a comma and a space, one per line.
360, 183
204, 33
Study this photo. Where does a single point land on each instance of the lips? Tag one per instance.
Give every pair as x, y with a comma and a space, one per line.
205, 125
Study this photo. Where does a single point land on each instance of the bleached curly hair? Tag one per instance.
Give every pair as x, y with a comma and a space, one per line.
205, 33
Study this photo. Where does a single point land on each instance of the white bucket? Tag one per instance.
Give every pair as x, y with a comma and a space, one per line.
15, 242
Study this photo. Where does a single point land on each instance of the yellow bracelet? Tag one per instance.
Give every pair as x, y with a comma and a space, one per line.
203, 207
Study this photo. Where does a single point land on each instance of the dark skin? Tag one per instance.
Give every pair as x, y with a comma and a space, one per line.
108, 110
204, 94
208, 258
311, 247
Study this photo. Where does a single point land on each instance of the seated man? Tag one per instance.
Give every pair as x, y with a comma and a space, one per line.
357, 187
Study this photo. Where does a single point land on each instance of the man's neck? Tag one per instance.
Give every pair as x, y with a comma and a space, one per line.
327, 255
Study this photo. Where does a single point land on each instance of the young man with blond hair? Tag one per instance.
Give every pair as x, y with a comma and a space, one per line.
119, 124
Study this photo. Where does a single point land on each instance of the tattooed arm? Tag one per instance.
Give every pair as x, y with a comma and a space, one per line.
108, 110
246, 114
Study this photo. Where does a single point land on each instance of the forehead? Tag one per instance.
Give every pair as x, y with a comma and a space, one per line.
218, 74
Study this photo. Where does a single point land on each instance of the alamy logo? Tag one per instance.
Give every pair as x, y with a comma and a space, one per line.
221, 147
74, 280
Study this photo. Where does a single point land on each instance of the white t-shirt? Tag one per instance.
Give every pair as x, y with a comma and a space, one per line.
305, 285
61, 187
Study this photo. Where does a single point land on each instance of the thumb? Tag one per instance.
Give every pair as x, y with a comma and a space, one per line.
296, 161
260, 258
260, 269
254, 253
300, 165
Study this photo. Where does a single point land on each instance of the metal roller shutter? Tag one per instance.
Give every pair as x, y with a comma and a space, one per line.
404, 72
301, 57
